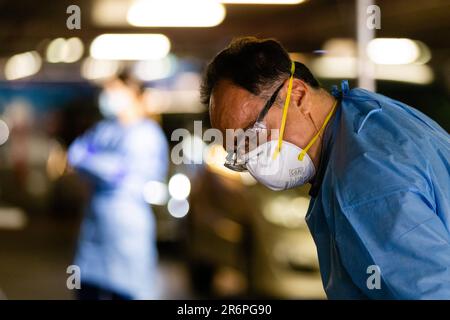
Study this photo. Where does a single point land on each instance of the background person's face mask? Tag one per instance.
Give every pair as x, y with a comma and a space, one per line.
281, 165
111, 103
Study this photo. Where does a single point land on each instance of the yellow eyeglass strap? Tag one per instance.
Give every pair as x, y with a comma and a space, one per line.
302, 154
285, 109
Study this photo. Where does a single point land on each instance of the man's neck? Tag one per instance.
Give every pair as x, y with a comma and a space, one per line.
325, 104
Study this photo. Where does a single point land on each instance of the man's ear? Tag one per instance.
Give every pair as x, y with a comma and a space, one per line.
299, 92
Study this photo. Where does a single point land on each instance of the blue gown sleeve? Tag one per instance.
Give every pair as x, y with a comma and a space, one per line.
403, 236
101, 166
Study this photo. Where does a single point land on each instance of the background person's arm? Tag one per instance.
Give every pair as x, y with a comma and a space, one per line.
101, 166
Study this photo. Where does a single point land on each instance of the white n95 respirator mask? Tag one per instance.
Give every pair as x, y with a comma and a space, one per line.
285, 171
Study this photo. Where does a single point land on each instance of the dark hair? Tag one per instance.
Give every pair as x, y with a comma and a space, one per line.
253, 64
127, 77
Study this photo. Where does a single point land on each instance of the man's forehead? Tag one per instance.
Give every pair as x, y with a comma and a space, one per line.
233, 107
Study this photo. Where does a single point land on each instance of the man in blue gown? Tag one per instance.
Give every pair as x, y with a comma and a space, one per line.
379, 170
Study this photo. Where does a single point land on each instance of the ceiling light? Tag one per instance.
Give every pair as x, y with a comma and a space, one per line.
262, 1
22, 65
107, 13
393, 51
179, 186
130, 46
176, 13
178, 208
345, 68
417, 74
62, 50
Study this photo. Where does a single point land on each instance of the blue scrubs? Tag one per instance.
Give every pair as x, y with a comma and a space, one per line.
381, 197
117, 244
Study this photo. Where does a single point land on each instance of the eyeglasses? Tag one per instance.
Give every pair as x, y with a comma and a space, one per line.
246, 143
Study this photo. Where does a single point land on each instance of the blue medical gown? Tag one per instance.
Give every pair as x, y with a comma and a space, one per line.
116, 248
384, 201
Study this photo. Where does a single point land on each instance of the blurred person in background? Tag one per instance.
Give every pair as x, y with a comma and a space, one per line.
379, 169
117, 252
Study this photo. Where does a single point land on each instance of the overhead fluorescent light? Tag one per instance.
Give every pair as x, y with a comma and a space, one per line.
345, 68
130, 46
417, 74
23, 65
107, 13
62, 50
339, 47
334, 67
179, 186
393, 51
262, 1
176, 13
178, 208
